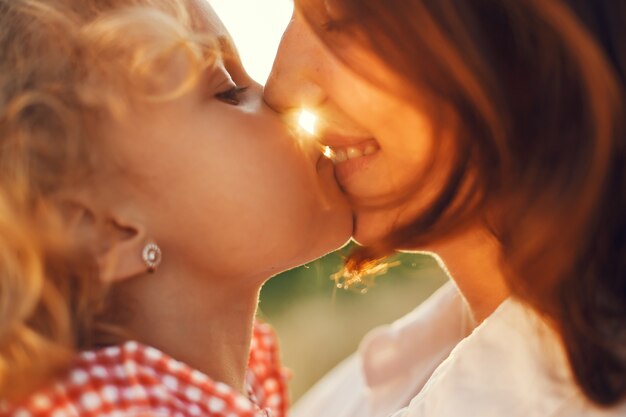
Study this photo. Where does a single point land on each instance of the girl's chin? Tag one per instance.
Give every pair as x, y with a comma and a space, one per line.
337, 238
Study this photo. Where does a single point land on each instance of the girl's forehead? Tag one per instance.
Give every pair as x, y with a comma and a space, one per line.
205, 17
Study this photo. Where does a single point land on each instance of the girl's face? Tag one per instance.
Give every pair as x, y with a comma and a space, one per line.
219, 182
380, 142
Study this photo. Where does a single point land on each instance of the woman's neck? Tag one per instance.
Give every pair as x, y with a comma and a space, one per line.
472, 260
206, 326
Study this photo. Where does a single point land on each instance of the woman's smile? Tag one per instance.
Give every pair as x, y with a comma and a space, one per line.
349, 154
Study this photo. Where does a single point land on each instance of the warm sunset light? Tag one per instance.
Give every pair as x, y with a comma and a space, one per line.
256, 27
307, 121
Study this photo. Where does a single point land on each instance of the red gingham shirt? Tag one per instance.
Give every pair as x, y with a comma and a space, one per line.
133, 380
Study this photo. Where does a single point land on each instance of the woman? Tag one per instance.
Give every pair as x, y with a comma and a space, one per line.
491, 133
147, 193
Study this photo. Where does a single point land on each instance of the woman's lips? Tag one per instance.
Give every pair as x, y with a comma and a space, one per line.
350, 156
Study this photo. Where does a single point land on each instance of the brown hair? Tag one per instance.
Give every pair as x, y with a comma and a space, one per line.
66, 67
535, 92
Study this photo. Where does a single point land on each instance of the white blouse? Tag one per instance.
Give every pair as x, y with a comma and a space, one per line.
393, 362
512, 365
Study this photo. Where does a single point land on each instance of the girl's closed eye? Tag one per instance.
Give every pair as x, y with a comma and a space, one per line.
232, 96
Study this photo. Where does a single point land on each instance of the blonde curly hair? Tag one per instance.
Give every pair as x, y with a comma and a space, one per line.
65, 67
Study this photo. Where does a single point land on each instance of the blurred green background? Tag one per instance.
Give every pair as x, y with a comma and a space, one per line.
319, 325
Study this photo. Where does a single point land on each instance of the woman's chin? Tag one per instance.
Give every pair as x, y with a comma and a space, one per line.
371, 228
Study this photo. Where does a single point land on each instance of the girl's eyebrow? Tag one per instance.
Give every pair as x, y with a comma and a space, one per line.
231, 58
227, 48
225, 45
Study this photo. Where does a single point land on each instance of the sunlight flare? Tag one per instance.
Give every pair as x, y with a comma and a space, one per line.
307, 121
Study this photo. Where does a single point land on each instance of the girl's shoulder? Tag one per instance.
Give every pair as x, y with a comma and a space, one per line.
134, 380
267, 378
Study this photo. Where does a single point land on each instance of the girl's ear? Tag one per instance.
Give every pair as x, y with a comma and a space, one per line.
120, 257
116, 238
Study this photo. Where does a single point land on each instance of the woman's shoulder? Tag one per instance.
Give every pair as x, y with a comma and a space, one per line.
134, 380
513, 364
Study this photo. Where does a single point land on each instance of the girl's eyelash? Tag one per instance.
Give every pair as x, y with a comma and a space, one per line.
231, 96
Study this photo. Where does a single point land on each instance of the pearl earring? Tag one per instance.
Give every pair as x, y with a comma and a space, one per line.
151, 256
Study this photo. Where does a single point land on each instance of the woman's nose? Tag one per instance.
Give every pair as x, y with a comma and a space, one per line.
292, 82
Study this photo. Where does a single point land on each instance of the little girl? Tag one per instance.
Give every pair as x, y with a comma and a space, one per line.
146, 193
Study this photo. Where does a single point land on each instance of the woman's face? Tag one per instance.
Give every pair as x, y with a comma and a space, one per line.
222, 186
380, 142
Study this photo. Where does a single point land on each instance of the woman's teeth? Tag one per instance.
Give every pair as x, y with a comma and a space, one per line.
370, 149
339, 155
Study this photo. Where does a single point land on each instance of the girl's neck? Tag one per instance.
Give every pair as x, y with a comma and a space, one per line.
206, 326
473, 262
